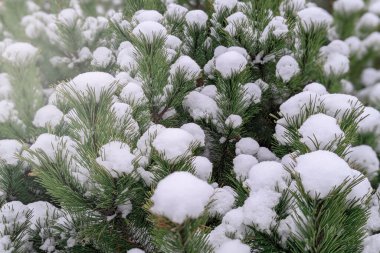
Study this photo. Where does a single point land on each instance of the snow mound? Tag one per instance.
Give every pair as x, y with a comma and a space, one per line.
173, 143
92, 81
48, 116
116, 157
180, 196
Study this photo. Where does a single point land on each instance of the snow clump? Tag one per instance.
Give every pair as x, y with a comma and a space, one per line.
181, 196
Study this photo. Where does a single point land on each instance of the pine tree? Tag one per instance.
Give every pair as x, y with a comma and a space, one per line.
194, 126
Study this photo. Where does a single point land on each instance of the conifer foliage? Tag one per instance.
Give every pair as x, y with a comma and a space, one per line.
189, 126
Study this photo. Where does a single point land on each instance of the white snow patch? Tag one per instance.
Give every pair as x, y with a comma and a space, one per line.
48, 116
287, 67
173, 143
180, 196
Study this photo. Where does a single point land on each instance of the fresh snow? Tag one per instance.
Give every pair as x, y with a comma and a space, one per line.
116, 157
322, 171
173, 143
196, 18
200, 106
92, 81
181, 196
48, 116
20, 53
149, 30
9, 150
233, 246
102, 57
187, 65
202, 167
242, 165
247, 146
229, 63
320, 131
287, 67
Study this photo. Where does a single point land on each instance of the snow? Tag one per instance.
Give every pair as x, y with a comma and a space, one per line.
355, 46
180, 196
258, 209
41, 212
370, 76
210, 91
196, 18
288, 160
233, 222
50, 144
366, 158
173, 42
335, 46
123, 113
321, 171
316, 88
175, 10
202, 167
5, 86
314, 16
97, 81
264, 154
291, 5
368, 21
362, 190
20, 53
126, 56
200, 106
336, 64
135, 251
149, 30
102, 57
287, 67
7, 111
187, 65
133, 93
196, 131
233, 246
234, 121
173, 143
277, 26
68, 17
242, 165
9, 149
144, 143
48, 116
267, 176
116, 158
348, 7
218, 236
13, 215
281, 133
336, 105
374, 7
320, 131
252, 93
147, 15
371, 120
372, 244
247, 146
220, 5
229, 63
374, 95
222, 201
236, 18
373, 40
